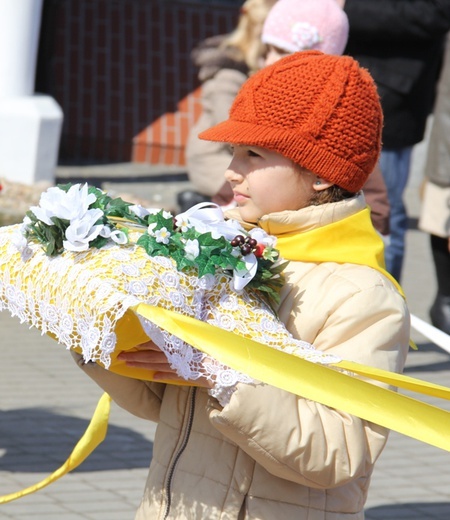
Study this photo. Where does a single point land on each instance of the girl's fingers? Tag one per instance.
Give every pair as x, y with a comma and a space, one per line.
148, 345
143, 356
149, 356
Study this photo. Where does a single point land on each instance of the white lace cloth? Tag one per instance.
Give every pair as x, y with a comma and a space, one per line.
80, 297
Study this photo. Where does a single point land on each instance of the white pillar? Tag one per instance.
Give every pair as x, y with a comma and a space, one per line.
30, 125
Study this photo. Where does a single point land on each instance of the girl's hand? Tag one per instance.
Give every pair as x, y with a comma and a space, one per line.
150, 357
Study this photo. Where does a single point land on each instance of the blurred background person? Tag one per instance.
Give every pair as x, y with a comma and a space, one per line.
225, 62
435, 210
401, 43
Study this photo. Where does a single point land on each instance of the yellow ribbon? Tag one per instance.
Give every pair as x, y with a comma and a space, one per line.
317, 382
92, 437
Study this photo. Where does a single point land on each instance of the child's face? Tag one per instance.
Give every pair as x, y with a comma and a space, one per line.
264, 181
274, 54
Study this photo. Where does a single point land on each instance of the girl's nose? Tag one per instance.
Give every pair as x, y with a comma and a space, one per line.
232, 176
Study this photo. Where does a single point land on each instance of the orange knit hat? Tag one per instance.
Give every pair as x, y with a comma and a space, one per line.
321, 111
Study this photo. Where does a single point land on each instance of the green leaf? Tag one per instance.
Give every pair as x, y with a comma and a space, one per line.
102, 198
64, 187
99, 242
205, 266
117, 206
147, 243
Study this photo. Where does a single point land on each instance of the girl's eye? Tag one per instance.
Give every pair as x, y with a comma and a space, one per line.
252, 153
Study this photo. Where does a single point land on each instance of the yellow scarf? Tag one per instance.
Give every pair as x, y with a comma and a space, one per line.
352, 240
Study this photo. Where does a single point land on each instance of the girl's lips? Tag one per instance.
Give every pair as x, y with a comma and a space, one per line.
239, 197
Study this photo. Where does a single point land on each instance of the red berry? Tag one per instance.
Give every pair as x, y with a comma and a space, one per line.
259, 250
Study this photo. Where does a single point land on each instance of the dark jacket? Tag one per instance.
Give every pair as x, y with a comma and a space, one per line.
401, 43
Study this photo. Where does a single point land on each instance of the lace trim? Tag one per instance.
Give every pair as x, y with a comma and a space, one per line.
79, 298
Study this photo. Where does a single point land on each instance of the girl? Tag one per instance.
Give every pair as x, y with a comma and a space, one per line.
305, 135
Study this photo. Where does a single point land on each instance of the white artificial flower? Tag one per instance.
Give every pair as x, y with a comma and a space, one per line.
162, 235
241, 277
83, 230
21, 244
262, 237
25, 225
167, 214
192, 249
105, 232
69, 205
182, 222
227, 228
139, 211
208, 217
19, 241
119, 237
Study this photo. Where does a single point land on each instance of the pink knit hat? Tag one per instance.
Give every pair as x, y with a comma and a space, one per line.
298, 25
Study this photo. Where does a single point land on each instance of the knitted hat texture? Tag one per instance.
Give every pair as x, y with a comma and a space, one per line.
321, 111
298, 25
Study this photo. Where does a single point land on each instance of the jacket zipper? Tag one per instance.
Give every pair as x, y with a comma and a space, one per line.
181, 449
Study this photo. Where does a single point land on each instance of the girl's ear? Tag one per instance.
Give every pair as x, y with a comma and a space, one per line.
321, 184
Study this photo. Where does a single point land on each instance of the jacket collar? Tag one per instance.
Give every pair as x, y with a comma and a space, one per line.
306, 219
339, 232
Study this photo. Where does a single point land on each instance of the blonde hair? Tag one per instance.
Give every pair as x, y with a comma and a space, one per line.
246, 38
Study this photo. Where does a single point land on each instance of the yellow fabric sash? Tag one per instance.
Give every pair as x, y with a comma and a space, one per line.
92, 437
352, 240
320, 383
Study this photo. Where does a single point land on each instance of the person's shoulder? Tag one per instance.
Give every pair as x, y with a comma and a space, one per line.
224, 81
231, 75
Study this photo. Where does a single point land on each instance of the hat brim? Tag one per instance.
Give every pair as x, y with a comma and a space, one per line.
301, 147
239, 132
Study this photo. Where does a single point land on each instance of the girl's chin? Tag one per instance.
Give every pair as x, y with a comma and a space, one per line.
248, 216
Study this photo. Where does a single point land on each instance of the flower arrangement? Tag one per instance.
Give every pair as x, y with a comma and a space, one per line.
78, 217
